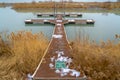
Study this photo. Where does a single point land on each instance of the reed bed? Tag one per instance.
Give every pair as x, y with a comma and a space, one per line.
22, 55
83, 5
24, 51
98, 61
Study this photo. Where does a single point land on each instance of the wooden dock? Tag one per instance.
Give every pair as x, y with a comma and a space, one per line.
70, 21
58, 48
66, 15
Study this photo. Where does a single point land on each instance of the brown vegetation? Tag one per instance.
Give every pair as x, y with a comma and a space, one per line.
32, 5
85, 5
98, 62
22, 55
2, 5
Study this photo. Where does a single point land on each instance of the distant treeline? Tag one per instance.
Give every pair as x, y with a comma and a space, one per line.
85, 5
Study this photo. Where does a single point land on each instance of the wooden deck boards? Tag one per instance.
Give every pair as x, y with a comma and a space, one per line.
43, 71
70, 21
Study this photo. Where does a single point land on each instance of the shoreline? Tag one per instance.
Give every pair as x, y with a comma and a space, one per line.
72, 10
90, 7
82, 5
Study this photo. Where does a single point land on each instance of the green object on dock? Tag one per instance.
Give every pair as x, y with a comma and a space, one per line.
60, 64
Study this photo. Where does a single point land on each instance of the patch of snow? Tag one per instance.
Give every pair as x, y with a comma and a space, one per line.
45, 20
58, 20
89, 20
61, 52
62, 75
69, 61
28, 20
59, 55
60, 58
57, 36
52, 59
57, 71
58, 24
51, 65
71, 20
75, 73
65, 70
29, 77
65, 59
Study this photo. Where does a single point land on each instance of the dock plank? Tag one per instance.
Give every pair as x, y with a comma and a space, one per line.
70, 21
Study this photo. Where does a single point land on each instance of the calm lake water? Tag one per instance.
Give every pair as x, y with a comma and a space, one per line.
105, 27
57, 0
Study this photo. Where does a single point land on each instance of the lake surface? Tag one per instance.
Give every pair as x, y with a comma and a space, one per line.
56, 0
105, 27
12, 21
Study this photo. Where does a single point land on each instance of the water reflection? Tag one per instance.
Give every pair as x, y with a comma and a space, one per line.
105, 14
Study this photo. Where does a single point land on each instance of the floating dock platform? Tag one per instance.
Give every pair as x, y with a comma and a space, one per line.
70, 21
83, 21
66, 15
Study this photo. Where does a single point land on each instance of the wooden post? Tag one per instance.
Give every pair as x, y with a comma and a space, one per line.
54, 9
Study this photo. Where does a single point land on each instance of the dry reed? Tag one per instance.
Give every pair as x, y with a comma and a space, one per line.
98, 61
84, 5
22, 55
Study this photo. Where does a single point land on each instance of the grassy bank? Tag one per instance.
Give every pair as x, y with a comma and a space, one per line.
84, 5
93, 7
89, 10
22, 55
97, 61
2, 5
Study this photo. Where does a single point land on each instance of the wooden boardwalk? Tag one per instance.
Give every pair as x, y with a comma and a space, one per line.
59, 43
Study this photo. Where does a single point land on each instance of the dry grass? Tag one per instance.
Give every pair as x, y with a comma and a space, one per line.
84, 5
22, 55
33, 5
97, 61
